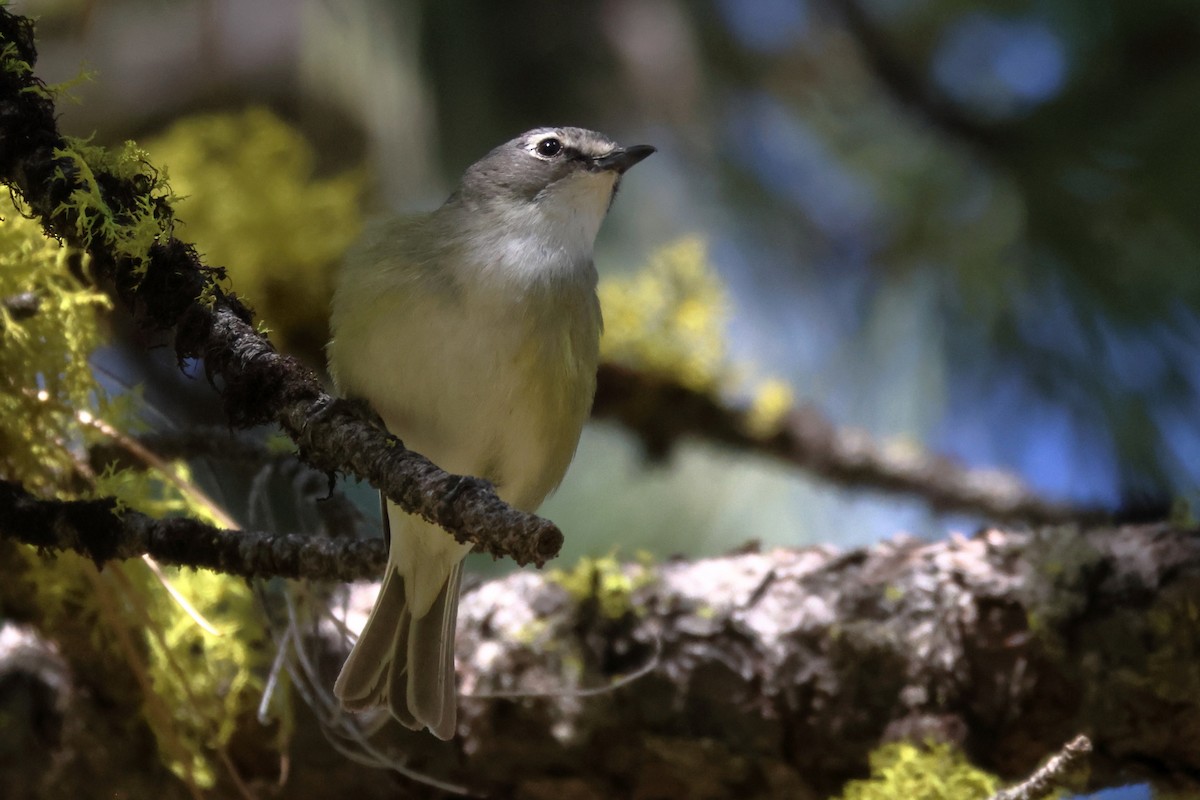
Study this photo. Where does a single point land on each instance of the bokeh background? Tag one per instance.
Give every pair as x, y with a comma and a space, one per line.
967, 225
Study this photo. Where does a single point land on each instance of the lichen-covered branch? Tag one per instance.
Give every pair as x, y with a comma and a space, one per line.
1049, 777
101, 531
119, 212
775, 674
661, 412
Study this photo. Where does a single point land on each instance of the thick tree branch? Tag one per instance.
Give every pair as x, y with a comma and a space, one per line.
101, 531
661, 411
775, 674
770, 674
173, 289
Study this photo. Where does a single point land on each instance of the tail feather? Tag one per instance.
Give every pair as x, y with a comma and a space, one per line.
363, 678
406, 663
431, 694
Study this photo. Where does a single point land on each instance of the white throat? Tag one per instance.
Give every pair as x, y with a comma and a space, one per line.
555, 233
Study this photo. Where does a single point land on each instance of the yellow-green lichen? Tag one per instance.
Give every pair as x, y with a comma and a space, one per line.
769, 407
130, 233
152, 492
211, 682
12, 63
195, 687
605, 580
534, 632
251, 203
669, 317
44, 372
120, 628
930, 772
1183, 510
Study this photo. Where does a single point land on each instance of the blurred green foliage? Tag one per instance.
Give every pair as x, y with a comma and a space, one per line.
192, 687
44, 371
930, 772
251, 202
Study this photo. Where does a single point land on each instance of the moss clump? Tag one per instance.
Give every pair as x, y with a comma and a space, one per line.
606, 581
126, 230
772, 401
123, 633
930, 772
49, 326
250, 202
669, 317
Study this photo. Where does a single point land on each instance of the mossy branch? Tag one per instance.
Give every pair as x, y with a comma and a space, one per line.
102, 531
119, 210
786, 673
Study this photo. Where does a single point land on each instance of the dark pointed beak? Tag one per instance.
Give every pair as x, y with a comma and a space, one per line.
623, 158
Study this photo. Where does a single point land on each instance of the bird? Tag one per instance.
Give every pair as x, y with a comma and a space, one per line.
473, 332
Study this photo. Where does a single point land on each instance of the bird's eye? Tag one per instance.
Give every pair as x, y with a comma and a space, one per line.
548, 148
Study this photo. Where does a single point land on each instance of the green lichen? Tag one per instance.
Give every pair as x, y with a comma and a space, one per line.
1183, 511
534, 632
126, 233
251, 203
11, 61
209, 683
669, 317
930, 772
153, 492
772, 400
606, 581
212, 683
194, 688
1064, 559
44, 373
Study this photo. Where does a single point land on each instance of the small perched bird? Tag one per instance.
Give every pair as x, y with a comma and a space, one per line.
473, 331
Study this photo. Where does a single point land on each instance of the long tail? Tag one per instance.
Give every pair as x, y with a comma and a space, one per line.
403, 661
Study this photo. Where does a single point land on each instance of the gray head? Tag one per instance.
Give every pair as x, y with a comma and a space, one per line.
570, 167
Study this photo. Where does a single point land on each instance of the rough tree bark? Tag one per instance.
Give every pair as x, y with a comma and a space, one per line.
775, 674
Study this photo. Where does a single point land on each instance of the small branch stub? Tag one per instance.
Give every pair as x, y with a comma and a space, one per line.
1050, 776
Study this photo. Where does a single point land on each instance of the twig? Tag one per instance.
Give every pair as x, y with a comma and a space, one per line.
662, 411
203, 441
172, 289
1050, 775
100, 531
338, 514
